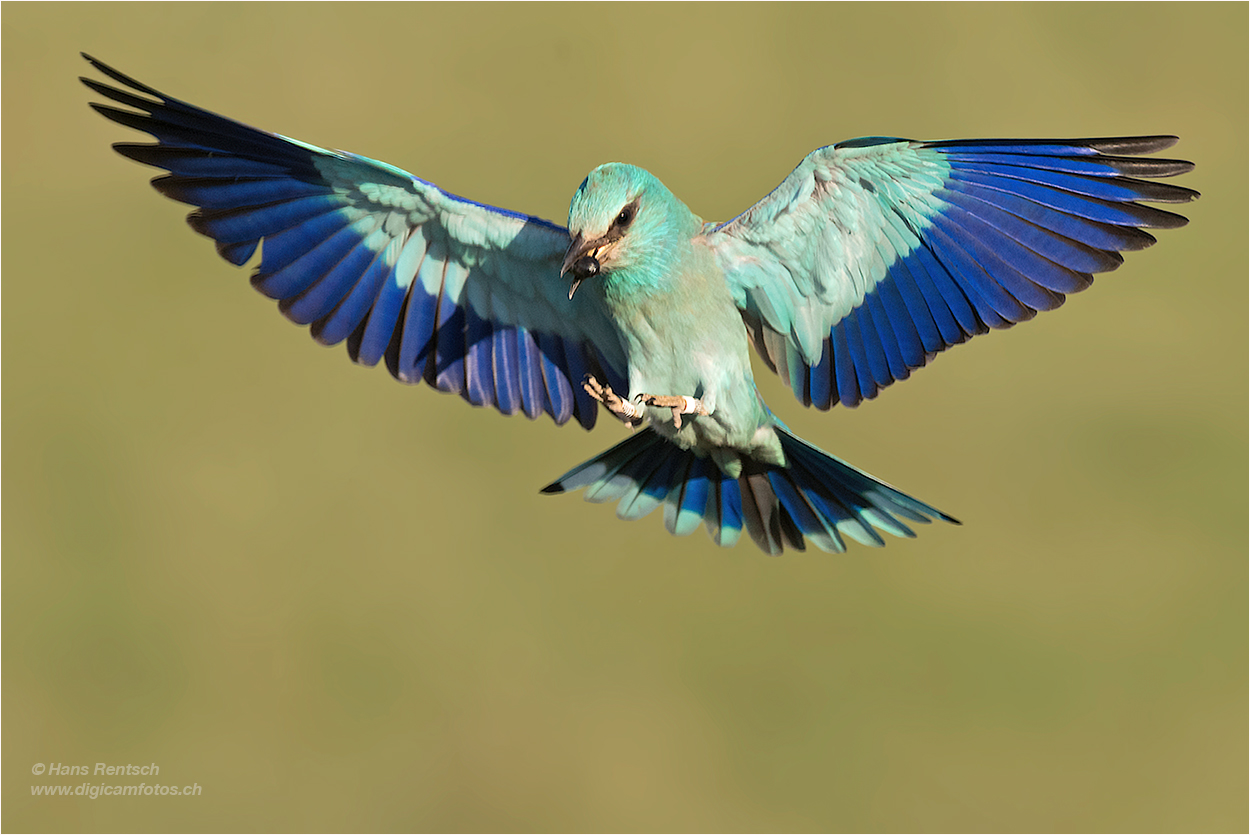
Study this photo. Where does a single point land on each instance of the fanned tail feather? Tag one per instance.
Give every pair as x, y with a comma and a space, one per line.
816, 497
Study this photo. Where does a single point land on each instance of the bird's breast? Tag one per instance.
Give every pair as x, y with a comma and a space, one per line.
685, 336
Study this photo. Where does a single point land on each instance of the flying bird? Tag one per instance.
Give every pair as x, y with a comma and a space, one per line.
871, 257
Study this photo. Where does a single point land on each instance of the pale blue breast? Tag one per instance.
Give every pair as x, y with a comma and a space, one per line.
686, 337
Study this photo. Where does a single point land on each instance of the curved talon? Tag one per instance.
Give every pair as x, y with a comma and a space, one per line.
681, 404
633, 413
625, 411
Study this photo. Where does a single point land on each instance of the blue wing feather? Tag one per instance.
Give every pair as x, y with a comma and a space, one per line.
464, 296
238, 192
817, 388
352, 307
320, 300
584, 408
379, 326
895, 338
989, 296
416, 343
506, 370
1076, 255
294, 262
555, 381
530, 377
479, 372
906, 248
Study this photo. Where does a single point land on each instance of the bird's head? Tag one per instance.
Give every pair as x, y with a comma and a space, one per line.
616, 219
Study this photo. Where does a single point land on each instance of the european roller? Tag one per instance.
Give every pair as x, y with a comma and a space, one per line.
871, 257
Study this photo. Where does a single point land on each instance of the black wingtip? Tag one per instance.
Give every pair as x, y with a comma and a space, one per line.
552, 489
121, 78
1133, 144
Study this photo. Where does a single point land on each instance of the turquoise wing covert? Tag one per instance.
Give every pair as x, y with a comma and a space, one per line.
464, 296
878, 253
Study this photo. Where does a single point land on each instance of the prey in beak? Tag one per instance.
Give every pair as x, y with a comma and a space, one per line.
581, 260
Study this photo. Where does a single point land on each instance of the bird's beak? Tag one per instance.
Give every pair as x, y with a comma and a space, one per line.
576, 250
581, 260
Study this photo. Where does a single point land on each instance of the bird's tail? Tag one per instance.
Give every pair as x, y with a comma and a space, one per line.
815, 495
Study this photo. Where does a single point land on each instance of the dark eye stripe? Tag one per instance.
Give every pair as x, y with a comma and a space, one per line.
625, 218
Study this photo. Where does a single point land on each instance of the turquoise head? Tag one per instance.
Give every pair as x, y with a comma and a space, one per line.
622, 219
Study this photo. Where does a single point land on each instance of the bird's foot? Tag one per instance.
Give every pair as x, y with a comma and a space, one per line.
681, 404
629, 413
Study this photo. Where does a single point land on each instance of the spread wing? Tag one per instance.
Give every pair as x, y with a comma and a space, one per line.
464, 296
876, 254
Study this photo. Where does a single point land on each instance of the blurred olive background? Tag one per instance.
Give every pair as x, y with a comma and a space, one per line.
338, 603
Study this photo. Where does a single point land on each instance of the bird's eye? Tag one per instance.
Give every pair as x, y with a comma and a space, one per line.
625, 217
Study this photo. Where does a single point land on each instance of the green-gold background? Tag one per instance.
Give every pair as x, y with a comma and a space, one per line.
338, 603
